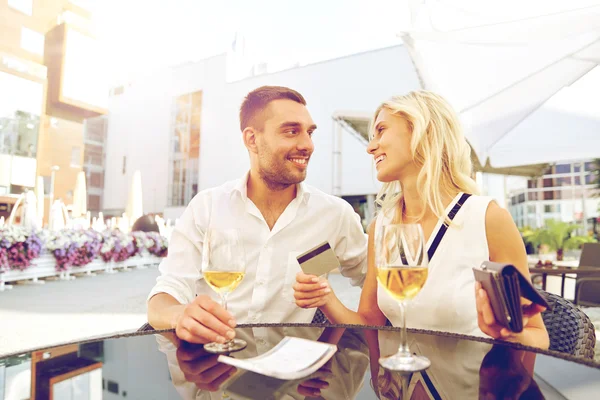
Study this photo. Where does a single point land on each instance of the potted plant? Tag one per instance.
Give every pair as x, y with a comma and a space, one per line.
558, 235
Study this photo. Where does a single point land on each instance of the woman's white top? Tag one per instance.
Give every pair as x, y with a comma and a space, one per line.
447, 300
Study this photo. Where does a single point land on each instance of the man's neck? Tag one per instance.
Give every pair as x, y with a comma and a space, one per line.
267, 198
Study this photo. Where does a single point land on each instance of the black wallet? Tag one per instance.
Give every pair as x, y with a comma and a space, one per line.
505, 286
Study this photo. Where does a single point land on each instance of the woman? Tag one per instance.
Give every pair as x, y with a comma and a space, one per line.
423, 159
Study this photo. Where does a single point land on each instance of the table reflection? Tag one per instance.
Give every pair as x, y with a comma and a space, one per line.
159, 366
461, 368
197, 374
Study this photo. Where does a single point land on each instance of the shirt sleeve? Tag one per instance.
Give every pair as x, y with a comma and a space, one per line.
181, 269
351, 246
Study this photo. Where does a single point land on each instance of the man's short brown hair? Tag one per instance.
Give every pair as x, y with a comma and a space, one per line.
257, 101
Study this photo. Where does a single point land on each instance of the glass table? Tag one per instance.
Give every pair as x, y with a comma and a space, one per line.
156, 365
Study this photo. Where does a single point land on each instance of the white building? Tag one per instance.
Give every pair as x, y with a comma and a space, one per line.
566, 192
157, 123
180, 128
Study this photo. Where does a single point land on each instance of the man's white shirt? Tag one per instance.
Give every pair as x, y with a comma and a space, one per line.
265, 294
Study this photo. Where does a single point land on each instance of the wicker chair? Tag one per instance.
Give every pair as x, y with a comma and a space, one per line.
587, 288
570, 330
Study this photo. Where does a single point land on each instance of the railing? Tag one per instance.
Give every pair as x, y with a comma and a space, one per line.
45, 267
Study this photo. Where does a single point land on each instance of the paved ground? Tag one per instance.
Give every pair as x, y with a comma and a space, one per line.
58, 311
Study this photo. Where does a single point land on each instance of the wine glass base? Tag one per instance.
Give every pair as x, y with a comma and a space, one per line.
405, 364
224, 348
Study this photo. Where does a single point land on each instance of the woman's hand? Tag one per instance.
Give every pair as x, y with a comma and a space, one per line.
311, 291
530, 336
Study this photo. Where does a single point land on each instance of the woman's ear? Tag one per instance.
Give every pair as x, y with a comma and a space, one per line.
249, 137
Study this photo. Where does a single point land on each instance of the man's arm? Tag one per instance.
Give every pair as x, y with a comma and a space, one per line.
172, 303
180, 270
351, 247
164, 311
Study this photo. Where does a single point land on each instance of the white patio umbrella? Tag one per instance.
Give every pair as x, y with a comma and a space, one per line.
523, 75
59, 217
135, 207
79, 197
39, 194
29, 217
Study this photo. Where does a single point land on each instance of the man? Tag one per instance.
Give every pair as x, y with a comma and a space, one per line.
278, 217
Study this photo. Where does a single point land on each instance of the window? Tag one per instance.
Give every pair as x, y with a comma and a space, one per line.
548, 182
548, 208
94, 202
531, 209
564, 181
113, 387
94, 155
577, 180
96, 180
532, 183
32, 41
25, 6
589, 166
532, 196
47, 185
563, 168
185, 149
19, 134
76, 157
589, 179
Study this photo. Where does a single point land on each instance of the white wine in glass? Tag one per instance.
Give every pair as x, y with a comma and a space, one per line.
223, 268
402, 283
402, 265
223, 281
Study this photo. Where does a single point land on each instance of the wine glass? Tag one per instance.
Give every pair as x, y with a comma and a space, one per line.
223, 268
402, 262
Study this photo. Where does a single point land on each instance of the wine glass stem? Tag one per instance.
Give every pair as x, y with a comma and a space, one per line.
403, 349
228, 343
224, 300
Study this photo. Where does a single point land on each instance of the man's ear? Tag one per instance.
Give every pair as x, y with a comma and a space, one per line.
249, 137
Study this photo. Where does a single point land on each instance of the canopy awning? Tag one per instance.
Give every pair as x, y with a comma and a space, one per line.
525, 86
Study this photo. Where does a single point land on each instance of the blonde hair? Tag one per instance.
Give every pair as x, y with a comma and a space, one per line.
438, 145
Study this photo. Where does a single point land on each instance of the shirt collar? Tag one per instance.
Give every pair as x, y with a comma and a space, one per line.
241, 186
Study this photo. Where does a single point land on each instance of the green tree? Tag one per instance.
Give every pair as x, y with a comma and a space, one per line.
596, 173
558, 235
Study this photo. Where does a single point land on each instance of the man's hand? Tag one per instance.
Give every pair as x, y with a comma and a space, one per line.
204, 321
310, 291
202, 368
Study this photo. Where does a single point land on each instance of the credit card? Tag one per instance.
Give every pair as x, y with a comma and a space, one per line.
319, 260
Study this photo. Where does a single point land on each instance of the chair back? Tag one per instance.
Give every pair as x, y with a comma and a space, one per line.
571, 331
587, 287
590, 255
